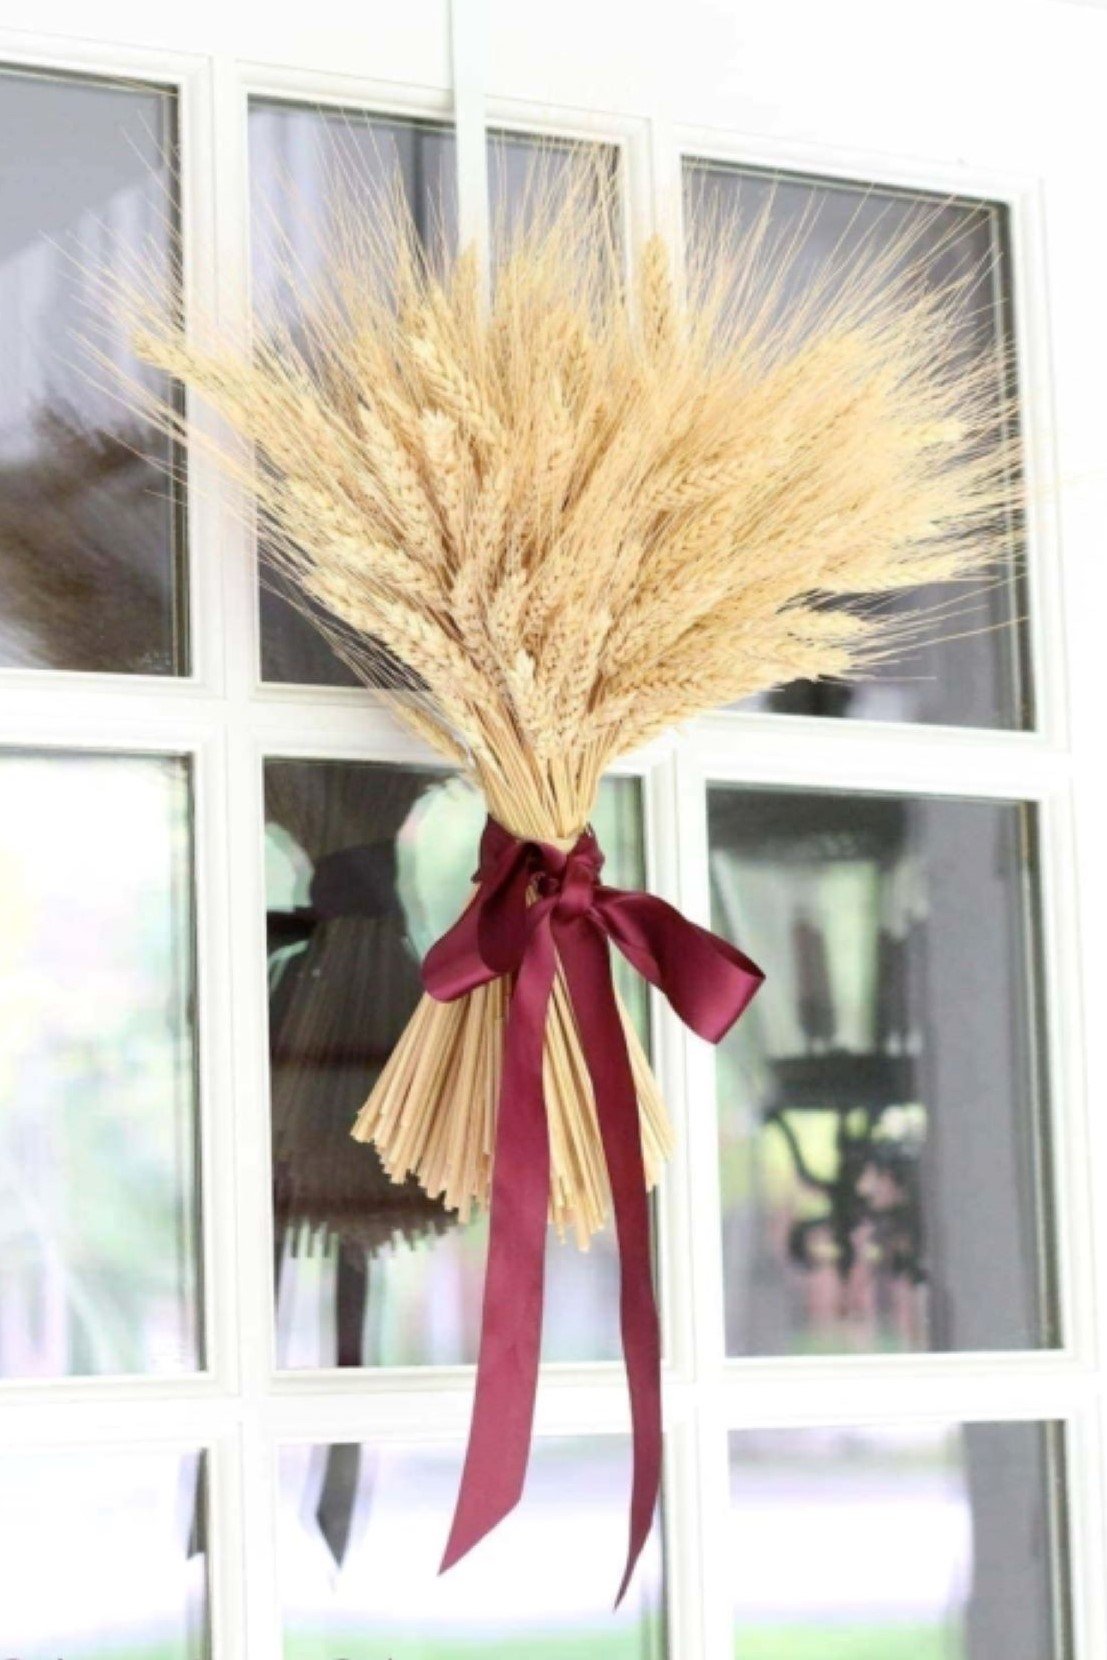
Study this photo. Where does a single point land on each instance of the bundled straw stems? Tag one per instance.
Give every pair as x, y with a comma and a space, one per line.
433, 1112
551, 511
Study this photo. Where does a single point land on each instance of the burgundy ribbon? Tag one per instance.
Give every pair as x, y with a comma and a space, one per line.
536, 906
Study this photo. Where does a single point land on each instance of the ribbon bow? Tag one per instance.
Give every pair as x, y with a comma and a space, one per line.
536, 906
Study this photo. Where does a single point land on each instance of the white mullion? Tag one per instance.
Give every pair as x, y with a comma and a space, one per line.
853, 756
225, 1313
348, 93
1086, 1522
220, 1311
253, 1177
673, 1205
666, 183
226, 1566
357, 1407
80, 1420
200, 265
565, 1408
204, 161
103, 710
240, 622
702, 1202
1079, 354
469, 42
717, 1570
114, 724
403, 1402
763, 749
248, 1505
703, 1482
1067, 1228
682, 1509
845, 1389
1028, 307
357, 728
257, 1548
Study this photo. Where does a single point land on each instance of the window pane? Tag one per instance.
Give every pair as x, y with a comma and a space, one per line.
105, 1555
936, 1542
98, 1272
91, 544
519, 163
977, 671
363, 1530
369, 1272
307, 166
880, 1109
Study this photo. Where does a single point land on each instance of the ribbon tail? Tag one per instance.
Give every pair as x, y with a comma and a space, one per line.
587, 963
511, 1320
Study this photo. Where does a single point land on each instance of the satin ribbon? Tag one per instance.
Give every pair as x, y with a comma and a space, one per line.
536, 906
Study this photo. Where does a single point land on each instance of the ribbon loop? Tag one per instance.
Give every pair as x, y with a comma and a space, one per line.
536, 907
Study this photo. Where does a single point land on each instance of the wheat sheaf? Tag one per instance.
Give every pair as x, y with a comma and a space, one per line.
553, 510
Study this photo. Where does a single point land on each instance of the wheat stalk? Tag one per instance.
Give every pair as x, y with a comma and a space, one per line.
582, 510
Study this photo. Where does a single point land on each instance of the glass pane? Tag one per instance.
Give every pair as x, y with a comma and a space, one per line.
977, 671
519, 163
370, 1272
880, 1104
105, 1555
91, 543
363, 1528
935, 1542
307, 166
98, 1186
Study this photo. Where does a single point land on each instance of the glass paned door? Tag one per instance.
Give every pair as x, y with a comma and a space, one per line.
893, 1453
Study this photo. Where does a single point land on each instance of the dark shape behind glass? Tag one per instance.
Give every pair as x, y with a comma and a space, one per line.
342, 984
367, 865
884, 1164
971, 666
91, 523
307, 166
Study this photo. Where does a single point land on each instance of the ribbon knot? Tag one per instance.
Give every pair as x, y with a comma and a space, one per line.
573, 886
539, 908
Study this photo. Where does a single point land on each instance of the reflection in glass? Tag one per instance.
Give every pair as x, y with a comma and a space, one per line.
105, 1555
359, 1567
308, 166
977, 672
936, 1542
98, 1265
367, 865
881, 1147
91, 550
